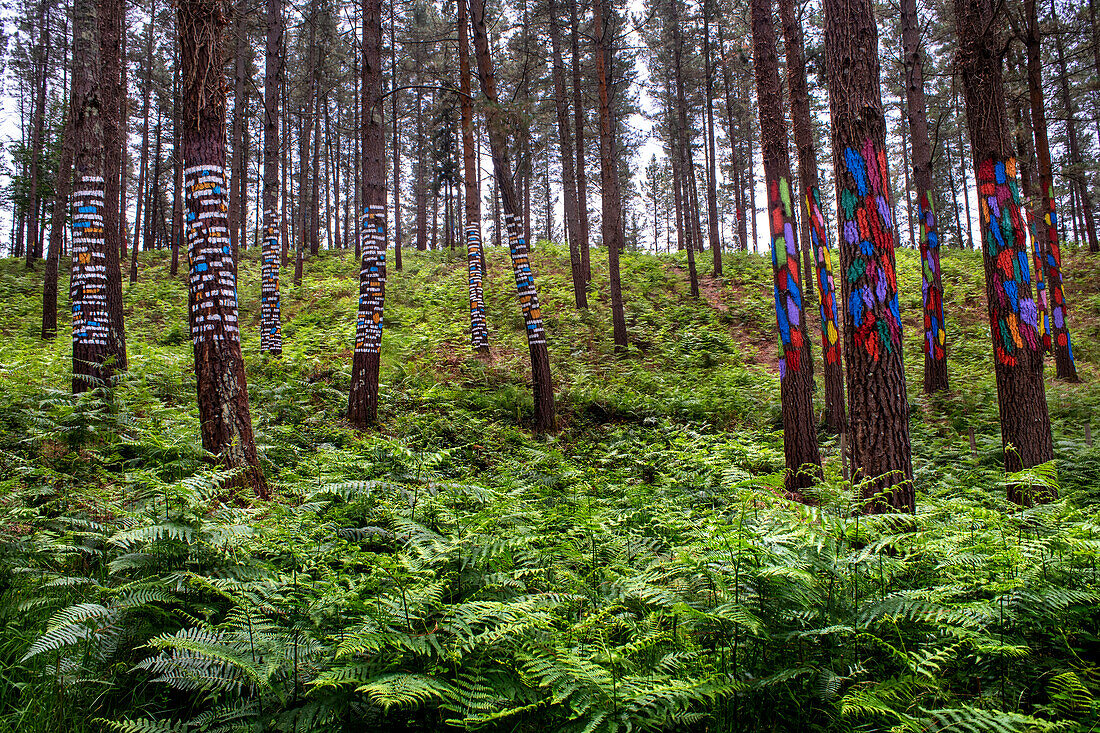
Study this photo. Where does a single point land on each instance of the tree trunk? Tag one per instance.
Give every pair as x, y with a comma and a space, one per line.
612, 222
1058, 339
935, 328
143, 166
1025, 423
796, 380
34, 247
315, 176
110, 87
479, 331
271, 330
57, 226
568, 171
177, 172
525, 280
241, 48
878, 415
712, 164
578, 123
363, 399
814, 227
396, 143
684, 149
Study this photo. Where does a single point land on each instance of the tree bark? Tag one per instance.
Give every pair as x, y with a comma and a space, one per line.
177, 172
612, 222
543, 388
803, 460
396, 143
578, 123
1058, 339
241, 48
110, 36
684, 149
814, 227
143, 166
271, 330
712, 164
34, 247
57, 226
878, 417
363, 399
1013, 318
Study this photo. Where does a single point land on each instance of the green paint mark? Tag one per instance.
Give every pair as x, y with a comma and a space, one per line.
848, 202
856, 270
785, 195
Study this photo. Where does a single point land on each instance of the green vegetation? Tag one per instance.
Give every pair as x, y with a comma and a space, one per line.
639, 571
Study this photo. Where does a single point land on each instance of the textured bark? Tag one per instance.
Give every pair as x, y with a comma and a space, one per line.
315, 175
1058, 338
1013, 317
143, 166
878, 410
271, 333
568, 170
241, 50
110, 38
578, 124
219, 368
57, 224
814, 227
34, 244
935, 329
363, 399
543, 389
796, 382
396, 144
685, 218
612, 222
736, 159
177, 172
479, 331
712, 162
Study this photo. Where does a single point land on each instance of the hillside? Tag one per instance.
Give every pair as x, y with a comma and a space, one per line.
452, 571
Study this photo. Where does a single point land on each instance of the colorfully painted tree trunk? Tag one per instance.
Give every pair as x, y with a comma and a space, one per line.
878, 409
1013, 316
479, 330
363, 400
219, 367
271, 328
814, 227
935, 329
796, 381
545, 420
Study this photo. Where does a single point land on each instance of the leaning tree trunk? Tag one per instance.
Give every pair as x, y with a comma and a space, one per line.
814, 226
1058, 338
612, 222
110, 87
479, 330
363, 399
568, 170
219, 367
935, 329
878, 409
271, 329
1013, 317
57, 223
796, 380
497, 125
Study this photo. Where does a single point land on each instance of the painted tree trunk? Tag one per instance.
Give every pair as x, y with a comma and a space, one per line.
814, 227
612, 220
543, 390
803, 460
363, 399
219, 367
878, 409
479, 330
1013, 317
271, 329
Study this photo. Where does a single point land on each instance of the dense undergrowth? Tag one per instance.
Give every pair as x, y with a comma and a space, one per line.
640, 571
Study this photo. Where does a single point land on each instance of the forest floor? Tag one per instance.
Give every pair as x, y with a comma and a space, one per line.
452, 571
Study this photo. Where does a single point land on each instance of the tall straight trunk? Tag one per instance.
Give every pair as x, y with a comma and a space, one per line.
150, 206
57, 226
219, 368
796, 381
684, 149
578, 123
612, 221
315, 171
1018, 355
271, 329
1084, 197
736, 159
1058, 339
543, 388
815, 236
878, 417
750, 166
396, 142
332, 184
421, 182
568, 171
110, 87
34, 247
935, 328
124, 142
712, 160
305, 121
241, 48
479, 331
177, 172
363, 398
143, 166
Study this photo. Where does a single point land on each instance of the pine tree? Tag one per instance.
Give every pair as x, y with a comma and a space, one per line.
878, 409
1013, 317
271, 335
